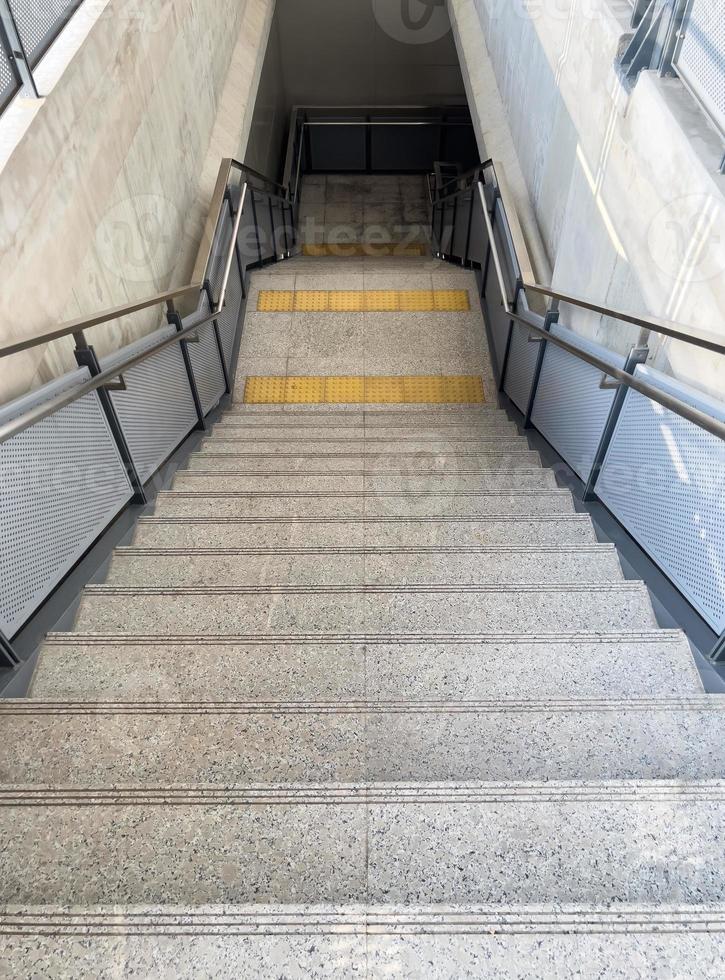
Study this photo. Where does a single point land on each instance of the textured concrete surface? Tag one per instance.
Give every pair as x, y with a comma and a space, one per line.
85, 667
246, 743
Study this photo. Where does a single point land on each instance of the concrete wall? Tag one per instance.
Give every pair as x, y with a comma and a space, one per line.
104, 196
619, 193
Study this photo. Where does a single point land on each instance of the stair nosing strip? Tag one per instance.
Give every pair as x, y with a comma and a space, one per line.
654, 636
626, 587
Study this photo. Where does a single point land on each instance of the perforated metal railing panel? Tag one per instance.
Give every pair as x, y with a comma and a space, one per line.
61, 483
205, 360
701, 57
521, 365
157, 409
40, 21
664, 479
8, 82
571, 409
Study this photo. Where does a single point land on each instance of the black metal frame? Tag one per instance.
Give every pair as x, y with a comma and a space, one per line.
512, 282
103, 381
14, 45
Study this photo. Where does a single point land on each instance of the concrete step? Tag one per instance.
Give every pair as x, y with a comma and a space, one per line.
366, 942
491, 503
389, 610
210, 481
245, 429
171, 567
370, 462
92, 667
283, 447
342, 414
248, 743
492, 843
388, 532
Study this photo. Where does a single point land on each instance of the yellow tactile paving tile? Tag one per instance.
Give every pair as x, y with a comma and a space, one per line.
429, 389
363, 300
361, 248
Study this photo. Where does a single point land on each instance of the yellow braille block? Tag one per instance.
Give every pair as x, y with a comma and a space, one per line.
430, 389
344, 390
265, 391
357, 301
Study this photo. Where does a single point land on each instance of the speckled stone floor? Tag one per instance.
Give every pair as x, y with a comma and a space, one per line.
363, 696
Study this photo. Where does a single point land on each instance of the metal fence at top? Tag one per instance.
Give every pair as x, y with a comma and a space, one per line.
700, 55
27, 30
683, 37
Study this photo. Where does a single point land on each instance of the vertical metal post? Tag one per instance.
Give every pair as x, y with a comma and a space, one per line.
8, 657
637, 355
16, 50
271, 225
282, 210
217, 334
552, 315
465, 261
86, 357
717, 654
175, 320
256, 225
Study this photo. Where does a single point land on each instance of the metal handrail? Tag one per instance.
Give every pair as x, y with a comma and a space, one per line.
80, 324
27, 419
671, 402
705, 339
105, 316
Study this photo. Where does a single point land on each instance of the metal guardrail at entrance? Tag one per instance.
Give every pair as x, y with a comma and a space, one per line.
684, 38
649, 448
27, 29
75, 453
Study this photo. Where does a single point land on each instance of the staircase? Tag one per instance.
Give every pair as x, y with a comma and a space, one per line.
364, 696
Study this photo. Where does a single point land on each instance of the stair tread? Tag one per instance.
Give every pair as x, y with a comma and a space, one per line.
332, 843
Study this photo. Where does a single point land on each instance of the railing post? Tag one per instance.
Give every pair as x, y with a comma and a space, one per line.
464, 261
215, 326
86, 357
256, 225
717, 654
8, 657
16, 50
175, 320
552, 316
637, 355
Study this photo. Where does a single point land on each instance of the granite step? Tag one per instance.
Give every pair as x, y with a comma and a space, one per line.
387, 610
218, 446
210, 480
656, 663
367, 942
244, 429
370, 462
648, 843
171, 567
383, 532
491, 503
249, 743
342, 414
